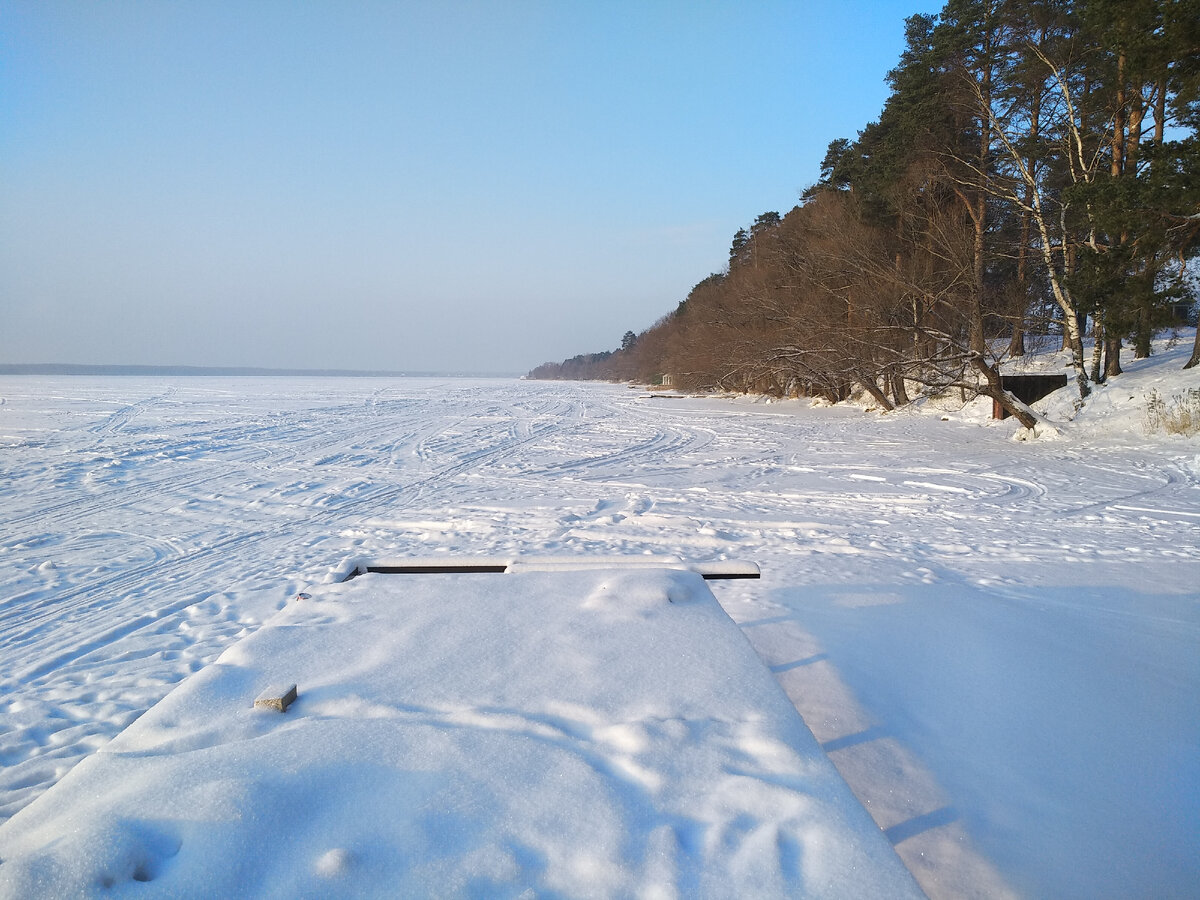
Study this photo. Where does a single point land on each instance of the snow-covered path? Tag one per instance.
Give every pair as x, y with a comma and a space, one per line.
997, 643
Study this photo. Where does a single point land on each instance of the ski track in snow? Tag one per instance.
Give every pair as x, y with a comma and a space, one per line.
147, 524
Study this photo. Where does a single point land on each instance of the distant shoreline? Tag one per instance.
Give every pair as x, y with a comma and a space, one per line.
236, 371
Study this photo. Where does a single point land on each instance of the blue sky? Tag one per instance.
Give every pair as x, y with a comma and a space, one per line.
422, 186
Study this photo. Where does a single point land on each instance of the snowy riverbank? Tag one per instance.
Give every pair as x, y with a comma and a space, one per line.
998, 643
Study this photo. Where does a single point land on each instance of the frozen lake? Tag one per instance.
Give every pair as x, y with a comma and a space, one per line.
997, 643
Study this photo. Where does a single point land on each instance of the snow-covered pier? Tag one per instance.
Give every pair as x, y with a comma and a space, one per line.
575, 731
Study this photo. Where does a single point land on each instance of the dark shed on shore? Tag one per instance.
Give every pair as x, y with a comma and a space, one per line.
1027, 389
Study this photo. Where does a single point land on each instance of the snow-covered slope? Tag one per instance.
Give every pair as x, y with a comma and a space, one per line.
997, 643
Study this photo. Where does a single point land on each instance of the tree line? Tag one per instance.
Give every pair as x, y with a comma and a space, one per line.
1033, 174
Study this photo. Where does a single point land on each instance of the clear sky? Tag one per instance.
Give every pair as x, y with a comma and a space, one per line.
421, 186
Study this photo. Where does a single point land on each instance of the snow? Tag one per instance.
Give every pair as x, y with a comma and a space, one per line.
615, 735
997, 643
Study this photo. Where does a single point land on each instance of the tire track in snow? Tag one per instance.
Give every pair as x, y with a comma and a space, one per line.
251, 445
96, 638
103, 599
117, 421
30, 634
664, 443
60, 607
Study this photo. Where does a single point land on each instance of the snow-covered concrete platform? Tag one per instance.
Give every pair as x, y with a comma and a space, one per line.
598, 732
716, 570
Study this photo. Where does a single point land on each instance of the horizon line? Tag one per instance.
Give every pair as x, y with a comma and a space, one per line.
141, 369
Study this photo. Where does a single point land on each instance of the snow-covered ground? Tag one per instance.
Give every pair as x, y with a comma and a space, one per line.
614, 736
996, 642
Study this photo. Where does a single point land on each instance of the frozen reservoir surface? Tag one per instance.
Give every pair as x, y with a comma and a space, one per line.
996, 643
595, 733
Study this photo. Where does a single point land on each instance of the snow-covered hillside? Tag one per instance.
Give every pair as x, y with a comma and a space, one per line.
996, 642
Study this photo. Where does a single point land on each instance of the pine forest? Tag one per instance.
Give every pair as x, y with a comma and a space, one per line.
1034, 176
